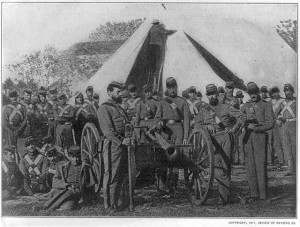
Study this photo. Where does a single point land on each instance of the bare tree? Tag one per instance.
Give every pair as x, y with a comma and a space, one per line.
288, 30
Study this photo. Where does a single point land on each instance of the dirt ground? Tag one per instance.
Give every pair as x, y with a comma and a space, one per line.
281, 202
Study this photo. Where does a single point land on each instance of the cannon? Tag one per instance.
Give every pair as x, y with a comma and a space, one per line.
196, 158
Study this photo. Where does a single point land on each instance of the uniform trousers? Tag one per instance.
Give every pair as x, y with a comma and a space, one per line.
275, 145
64, 136
256, 163
168, 177
288, 134
222, 161
115, 187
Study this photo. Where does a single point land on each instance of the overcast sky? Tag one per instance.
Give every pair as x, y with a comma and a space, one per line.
31, 26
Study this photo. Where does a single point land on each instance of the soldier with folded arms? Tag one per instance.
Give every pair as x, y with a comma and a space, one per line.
34, 166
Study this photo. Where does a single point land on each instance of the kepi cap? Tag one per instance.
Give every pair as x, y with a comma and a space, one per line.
74, 151
252, 88
288, 87
211, 89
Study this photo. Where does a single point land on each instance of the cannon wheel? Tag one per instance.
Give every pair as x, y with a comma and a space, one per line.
89, 151
199, 183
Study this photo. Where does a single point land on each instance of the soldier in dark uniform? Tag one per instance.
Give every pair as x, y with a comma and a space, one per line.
30, 109
264, 93
72, 182
173, 117
199, 96
14, 120
259, 119
89, 103
52, 98
241, 152
218, 118
131, 104
55, 159
80, 116
34, 167
158, 36
156, 96
221, 90
145, 113
12, 178
288, 120
185, 94
96, 98
45, 117
112, 118
274, 136
64, 116
228, 97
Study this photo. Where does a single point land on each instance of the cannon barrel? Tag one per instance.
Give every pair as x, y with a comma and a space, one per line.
171, 151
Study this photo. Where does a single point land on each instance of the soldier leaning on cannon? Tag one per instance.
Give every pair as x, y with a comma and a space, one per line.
217, 118
259, 119
112, 118
34, 166
240, 153
173, 117
12, 178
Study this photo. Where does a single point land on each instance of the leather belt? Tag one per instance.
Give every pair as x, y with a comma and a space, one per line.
291, 119
172, 121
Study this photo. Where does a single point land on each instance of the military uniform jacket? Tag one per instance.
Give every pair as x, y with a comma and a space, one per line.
131, 106
287, 109
222, 116
90, 107
177, 111
112, 118
275, 105
14, 116
29, 106
34, 166
44, 111
11, 176
233, 101
146, 110
194, 106
262, 112
67, 174
63, 114
157, 34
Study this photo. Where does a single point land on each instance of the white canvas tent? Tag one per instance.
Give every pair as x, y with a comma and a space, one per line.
246, 50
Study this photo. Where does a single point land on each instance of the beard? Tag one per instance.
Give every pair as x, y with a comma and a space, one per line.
117, 99
213, 101
171, 94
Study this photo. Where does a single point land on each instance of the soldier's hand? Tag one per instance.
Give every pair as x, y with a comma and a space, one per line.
126, 142
211, 128
184, 142
251, 126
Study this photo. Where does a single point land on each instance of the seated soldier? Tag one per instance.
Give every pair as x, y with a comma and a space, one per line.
12, 178
55, 159
34, 166
71, 182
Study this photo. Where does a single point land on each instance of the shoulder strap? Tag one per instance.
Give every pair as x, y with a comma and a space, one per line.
63, 109
16, 110
31, 163
4, 167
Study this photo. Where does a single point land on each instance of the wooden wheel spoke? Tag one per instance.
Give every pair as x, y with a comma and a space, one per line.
199, 188
86, 142
204, 182
203, 169
88, 133
203, 148
85, 151
202, 160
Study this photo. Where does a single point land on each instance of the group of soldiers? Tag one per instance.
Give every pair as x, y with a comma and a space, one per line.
251, 133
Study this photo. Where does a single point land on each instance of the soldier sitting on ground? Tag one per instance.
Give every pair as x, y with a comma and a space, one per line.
55, 159
72, 182
34, 166
12, 178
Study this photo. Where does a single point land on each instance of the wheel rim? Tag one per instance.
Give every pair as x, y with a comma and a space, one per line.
200, 182
89, 151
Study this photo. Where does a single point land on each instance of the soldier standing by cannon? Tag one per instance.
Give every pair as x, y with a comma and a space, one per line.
63, 115
173, 117
112, 119
216, 116
145, 113
259, 119
131, 104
